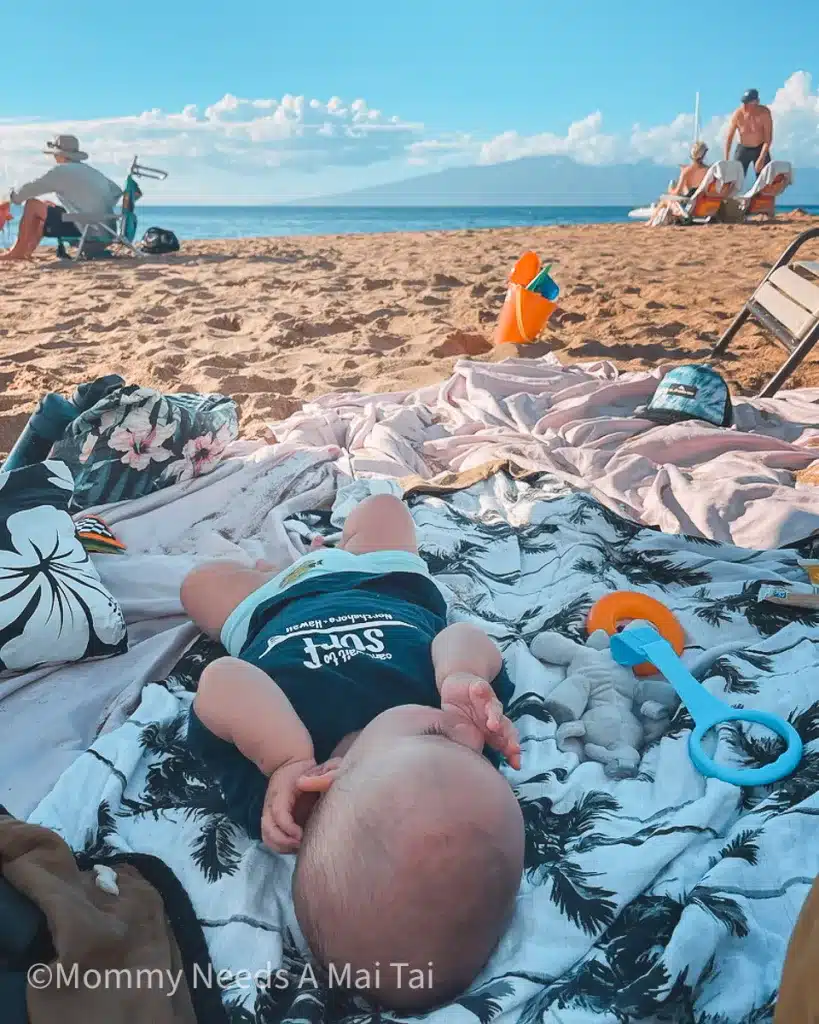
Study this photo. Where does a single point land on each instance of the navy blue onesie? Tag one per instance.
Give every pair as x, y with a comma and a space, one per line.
343, 647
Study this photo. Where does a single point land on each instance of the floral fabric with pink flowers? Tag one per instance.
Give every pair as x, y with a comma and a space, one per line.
137, 440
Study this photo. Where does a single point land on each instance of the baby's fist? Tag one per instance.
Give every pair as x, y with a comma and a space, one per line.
280, 832
473, 699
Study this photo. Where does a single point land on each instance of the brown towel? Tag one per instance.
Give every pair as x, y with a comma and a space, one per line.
97, 932
798, 1001
449, 482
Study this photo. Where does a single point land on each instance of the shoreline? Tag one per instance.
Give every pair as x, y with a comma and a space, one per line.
275, 321
237, 223
786, 215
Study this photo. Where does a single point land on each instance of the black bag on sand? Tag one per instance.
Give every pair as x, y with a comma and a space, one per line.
730, 212
158, 241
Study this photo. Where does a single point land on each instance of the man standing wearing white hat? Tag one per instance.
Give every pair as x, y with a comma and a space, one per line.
79, 188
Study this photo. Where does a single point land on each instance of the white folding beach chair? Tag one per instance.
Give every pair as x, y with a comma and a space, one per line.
787, 304
761, 197
723, 181
119, 228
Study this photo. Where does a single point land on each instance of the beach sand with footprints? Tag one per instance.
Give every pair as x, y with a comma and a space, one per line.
274, 322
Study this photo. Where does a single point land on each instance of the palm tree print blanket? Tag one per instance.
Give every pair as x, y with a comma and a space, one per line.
663, 898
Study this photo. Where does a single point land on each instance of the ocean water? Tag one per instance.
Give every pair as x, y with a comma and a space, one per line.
191, 222
213, 222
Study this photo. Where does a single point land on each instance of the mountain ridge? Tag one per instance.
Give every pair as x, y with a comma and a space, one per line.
541, 181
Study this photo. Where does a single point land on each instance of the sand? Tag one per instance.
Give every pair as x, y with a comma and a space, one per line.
274, 322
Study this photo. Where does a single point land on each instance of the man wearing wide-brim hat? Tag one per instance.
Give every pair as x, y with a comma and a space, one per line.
78, 187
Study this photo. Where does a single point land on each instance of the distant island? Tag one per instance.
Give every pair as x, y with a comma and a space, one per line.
542, 181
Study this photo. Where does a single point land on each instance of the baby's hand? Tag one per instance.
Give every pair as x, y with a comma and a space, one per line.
289, 784
474, 699
279, 829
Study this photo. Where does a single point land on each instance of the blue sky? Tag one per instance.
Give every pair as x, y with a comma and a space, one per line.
453, 82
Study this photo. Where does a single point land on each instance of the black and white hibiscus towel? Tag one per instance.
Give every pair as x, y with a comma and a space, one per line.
662, 898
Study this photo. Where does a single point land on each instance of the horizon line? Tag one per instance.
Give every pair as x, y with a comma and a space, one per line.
319, 203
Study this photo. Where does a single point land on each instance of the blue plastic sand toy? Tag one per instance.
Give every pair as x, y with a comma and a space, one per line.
642, 643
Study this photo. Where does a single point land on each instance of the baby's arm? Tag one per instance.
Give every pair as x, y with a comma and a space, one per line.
464, 649
466, 661
242, 705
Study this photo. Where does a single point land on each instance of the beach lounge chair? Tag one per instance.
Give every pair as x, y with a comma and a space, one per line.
761, 198
120, 228
723, 181
787, 304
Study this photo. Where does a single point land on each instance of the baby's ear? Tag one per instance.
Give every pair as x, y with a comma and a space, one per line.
320, 778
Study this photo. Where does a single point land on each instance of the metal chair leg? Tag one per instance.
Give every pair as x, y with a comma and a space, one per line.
725, 340
790, 364
81, 246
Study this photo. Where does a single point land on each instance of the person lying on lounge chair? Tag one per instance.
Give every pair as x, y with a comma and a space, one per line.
691, 177
79, 187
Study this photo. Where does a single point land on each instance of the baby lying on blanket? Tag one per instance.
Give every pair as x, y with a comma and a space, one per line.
352, 725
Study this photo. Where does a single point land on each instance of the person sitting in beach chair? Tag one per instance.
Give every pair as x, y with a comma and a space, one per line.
693, 175
700, 192
121, 228
78, 187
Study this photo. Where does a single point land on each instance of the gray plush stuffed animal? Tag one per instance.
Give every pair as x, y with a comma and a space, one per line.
594, 705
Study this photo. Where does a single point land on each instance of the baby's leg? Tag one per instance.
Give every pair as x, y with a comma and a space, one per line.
380, 523
211, 591
464, 649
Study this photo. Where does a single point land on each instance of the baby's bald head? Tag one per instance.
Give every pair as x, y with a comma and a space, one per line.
413, 857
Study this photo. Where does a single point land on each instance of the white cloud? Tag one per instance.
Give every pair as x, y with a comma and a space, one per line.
265, 147
584, 142
663, 143
245, 136
796, 119
442, 150
795, 109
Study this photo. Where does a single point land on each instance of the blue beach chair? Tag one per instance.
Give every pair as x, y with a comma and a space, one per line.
120, 228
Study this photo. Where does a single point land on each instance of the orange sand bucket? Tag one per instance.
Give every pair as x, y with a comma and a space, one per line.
526, 269
523, 315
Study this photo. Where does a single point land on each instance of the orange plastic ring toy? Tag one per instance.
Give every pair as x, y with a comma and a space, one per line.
625, 605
